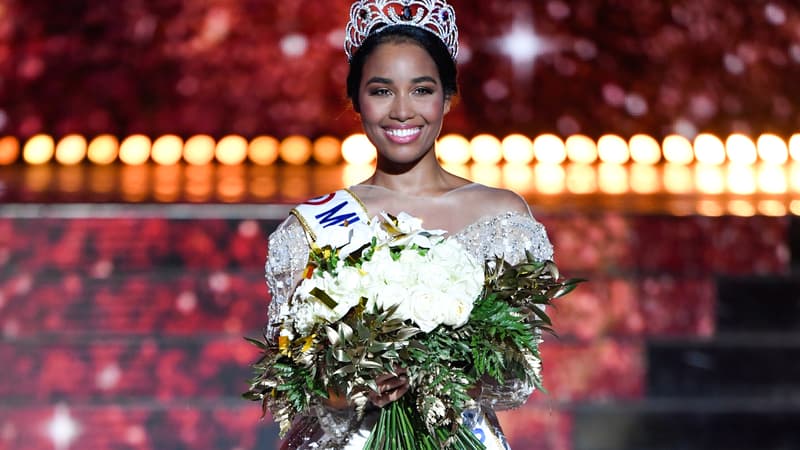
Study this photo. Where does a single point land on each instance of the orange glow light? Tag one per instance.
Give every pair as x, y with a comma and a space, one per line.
741, 179
612, 178
709, 178
199, 150
581, 149
549, 149
39, 149
263, 150
231, 150
103, 149
613, 149
453, 149
581, 178
71, 149
677, 149
644, 149
741, 149
135, 150
295, 150
794, 147
772, 149
9, 150
645, 178
678, 179
327, 150
709, 149
357, 149
486, 149
517, 149
167, 150
549, 178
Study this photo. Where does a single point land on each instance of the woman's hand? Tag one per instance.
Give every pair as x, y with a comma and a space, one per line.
390, 388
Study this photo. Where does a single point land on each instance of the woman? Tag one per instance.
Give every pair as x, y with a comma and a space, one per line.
402, 81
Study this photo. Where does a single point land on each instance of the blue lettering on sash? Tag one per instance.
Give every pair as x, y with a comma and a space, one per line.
327, 218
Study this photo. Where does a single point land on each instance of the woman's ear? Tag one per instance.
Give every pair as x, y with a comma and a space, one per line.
446, 107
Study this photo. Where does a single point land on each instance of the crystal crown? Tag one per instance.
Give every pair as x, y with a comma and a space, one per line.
367, 16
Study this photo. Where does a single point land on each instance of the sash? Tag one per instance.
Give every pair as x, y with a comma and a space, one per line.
339, 208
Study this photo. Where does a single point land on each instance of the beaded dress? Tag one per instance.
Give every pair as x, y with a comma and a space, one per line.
508, 234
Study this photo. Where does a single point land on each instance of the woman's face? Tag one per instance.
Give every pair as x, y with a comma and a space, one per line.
402, 101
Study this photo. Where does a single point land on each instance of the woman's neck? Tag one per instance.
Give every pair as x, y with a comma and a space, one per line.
424, 176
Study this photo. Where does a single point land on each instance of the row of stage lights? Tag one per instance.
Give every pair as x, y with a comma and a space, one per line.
356, 149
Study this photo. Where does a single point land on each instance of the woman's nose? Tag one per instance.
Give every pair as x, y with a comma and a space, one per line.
402, 109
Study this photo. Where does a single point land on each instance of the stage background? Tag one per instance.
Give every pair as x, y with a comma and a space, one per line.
122, 325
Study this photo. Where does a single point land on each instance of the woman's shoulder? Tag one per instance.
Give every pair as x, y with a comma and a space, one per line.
494, 201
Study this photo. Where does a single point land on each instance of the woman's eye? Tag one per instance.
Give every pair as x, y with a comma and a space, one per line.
423, 91
380, 92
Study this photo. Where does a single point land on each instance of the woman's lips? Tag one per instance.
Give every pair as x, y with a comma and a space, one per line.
403, 135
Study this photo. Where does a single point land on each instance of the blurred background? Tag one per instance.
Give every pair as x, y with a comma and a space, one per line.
148, 148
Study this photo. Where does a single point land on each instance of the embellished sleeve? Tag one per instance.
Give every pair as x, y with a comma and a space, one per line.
509, 236
287, 256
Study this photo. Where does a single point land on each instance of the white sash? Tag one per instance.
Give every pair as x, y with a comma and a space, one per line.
339, 208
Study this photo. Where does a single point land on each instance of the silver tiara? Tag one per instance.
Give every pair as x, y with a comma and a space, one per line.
367, 16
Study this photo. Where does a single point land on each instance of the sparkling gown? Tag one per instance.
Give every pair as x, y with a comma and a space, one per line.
494, 233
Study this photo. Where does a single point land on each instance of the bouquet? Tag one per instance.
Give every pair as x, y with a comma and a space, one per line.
389, 294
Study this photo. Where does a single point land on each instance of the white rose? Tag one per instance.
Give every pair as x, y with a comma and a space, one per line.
426, 307
406, 223
457, 313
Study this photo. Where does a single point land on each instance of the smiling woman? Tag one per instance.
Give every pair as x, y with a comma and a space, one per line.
401, 82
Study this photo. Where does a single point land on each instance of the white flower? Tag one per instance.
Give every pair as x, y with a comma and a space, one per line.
427, 308
347, 239
407, 223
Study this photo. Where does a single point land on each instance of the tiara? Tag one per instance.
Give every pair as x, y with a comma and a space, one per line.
367, 16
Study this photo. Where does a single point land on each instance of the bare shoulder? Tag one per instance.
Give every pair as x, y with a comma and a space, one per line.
498, 201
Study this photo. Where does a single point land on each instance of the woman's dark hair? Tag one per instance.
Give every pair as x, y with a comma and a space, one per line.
399, 34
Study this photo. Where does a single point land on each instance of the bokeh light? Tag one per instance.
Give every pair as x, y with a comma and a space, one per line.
741, 208
135, 150
644, 149
741, 179
103, 149
645, 178
9, 150
357, 149
772, 149
709, 149
71, 149
612, 178
167, 150
581, 178
295, 150
794, 176
549, 178
613, 149
488, 174
231, 150
39, 149
549, 149
581, 149
517, 149
772, 208
453, 149
741, 149
486, 149
678, 178
772, 179
327, 150
709, 178
518, 177
199, 150
794, 146
677, 149
263, 150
